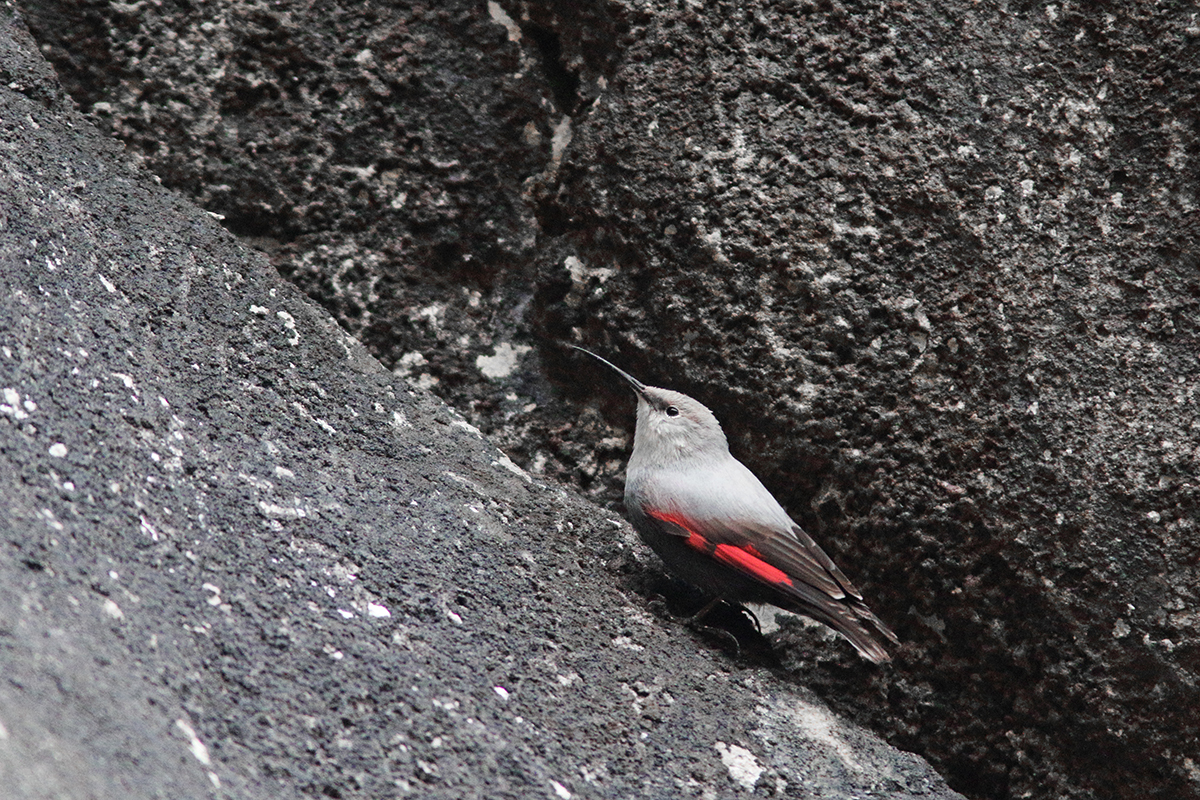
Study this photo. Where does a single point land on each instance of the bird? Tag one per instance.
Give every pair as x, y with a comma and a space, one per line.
714, 524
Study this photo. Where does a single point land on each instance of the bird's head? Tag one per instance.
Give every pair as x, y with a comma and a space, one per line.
670, 425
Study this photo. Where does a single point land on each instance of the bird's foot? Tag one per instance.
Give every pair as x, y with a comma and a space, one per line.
716, 632
753, 618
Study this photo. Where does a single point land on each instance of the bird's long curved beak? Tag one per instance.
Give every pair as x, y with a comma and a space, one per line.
638, 386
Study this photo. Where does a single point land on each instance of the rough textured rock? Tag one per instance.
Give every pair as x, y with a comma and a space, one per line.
934, 265
939, 263
240, 559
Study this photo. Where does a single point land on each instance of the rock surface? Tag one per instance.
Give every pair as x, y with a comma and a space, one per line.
933, 264
241, 559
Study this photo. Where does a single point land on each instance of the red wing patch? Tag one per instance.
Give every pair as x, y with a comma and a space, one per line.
744, 559
674, 519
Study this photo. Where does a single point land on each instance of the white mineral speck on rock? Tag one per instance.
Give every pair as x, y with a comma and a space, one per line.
113, 610
625, 643
742, 765
503, 362
499, 15
197, 746
507, 463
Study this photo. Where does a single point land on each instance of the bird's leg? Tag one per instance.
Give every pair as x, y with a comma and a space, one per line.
711, 604
708, 607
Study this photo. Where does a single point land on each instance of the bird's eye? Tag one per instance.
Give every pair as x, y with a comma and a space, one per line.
672, 411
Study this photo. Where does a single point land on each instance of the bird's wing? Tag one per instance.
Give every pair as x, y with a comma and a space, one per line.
772, 557
794, 571
732, 517
729, 516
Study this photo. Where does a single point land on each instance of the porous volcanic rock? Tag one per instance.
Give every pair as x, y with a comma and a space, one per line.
933, 264
241, 559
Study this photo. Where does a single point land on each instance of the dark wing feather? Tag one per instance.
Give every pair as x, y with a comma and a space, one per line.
794, 565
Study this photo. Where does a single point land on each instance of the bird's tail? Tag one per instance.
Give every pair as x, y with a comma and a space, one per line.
850, 617
848, 620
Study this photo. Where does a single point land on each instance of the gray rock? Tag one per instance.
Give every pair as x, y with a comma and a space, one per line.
932, 264
242, 559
